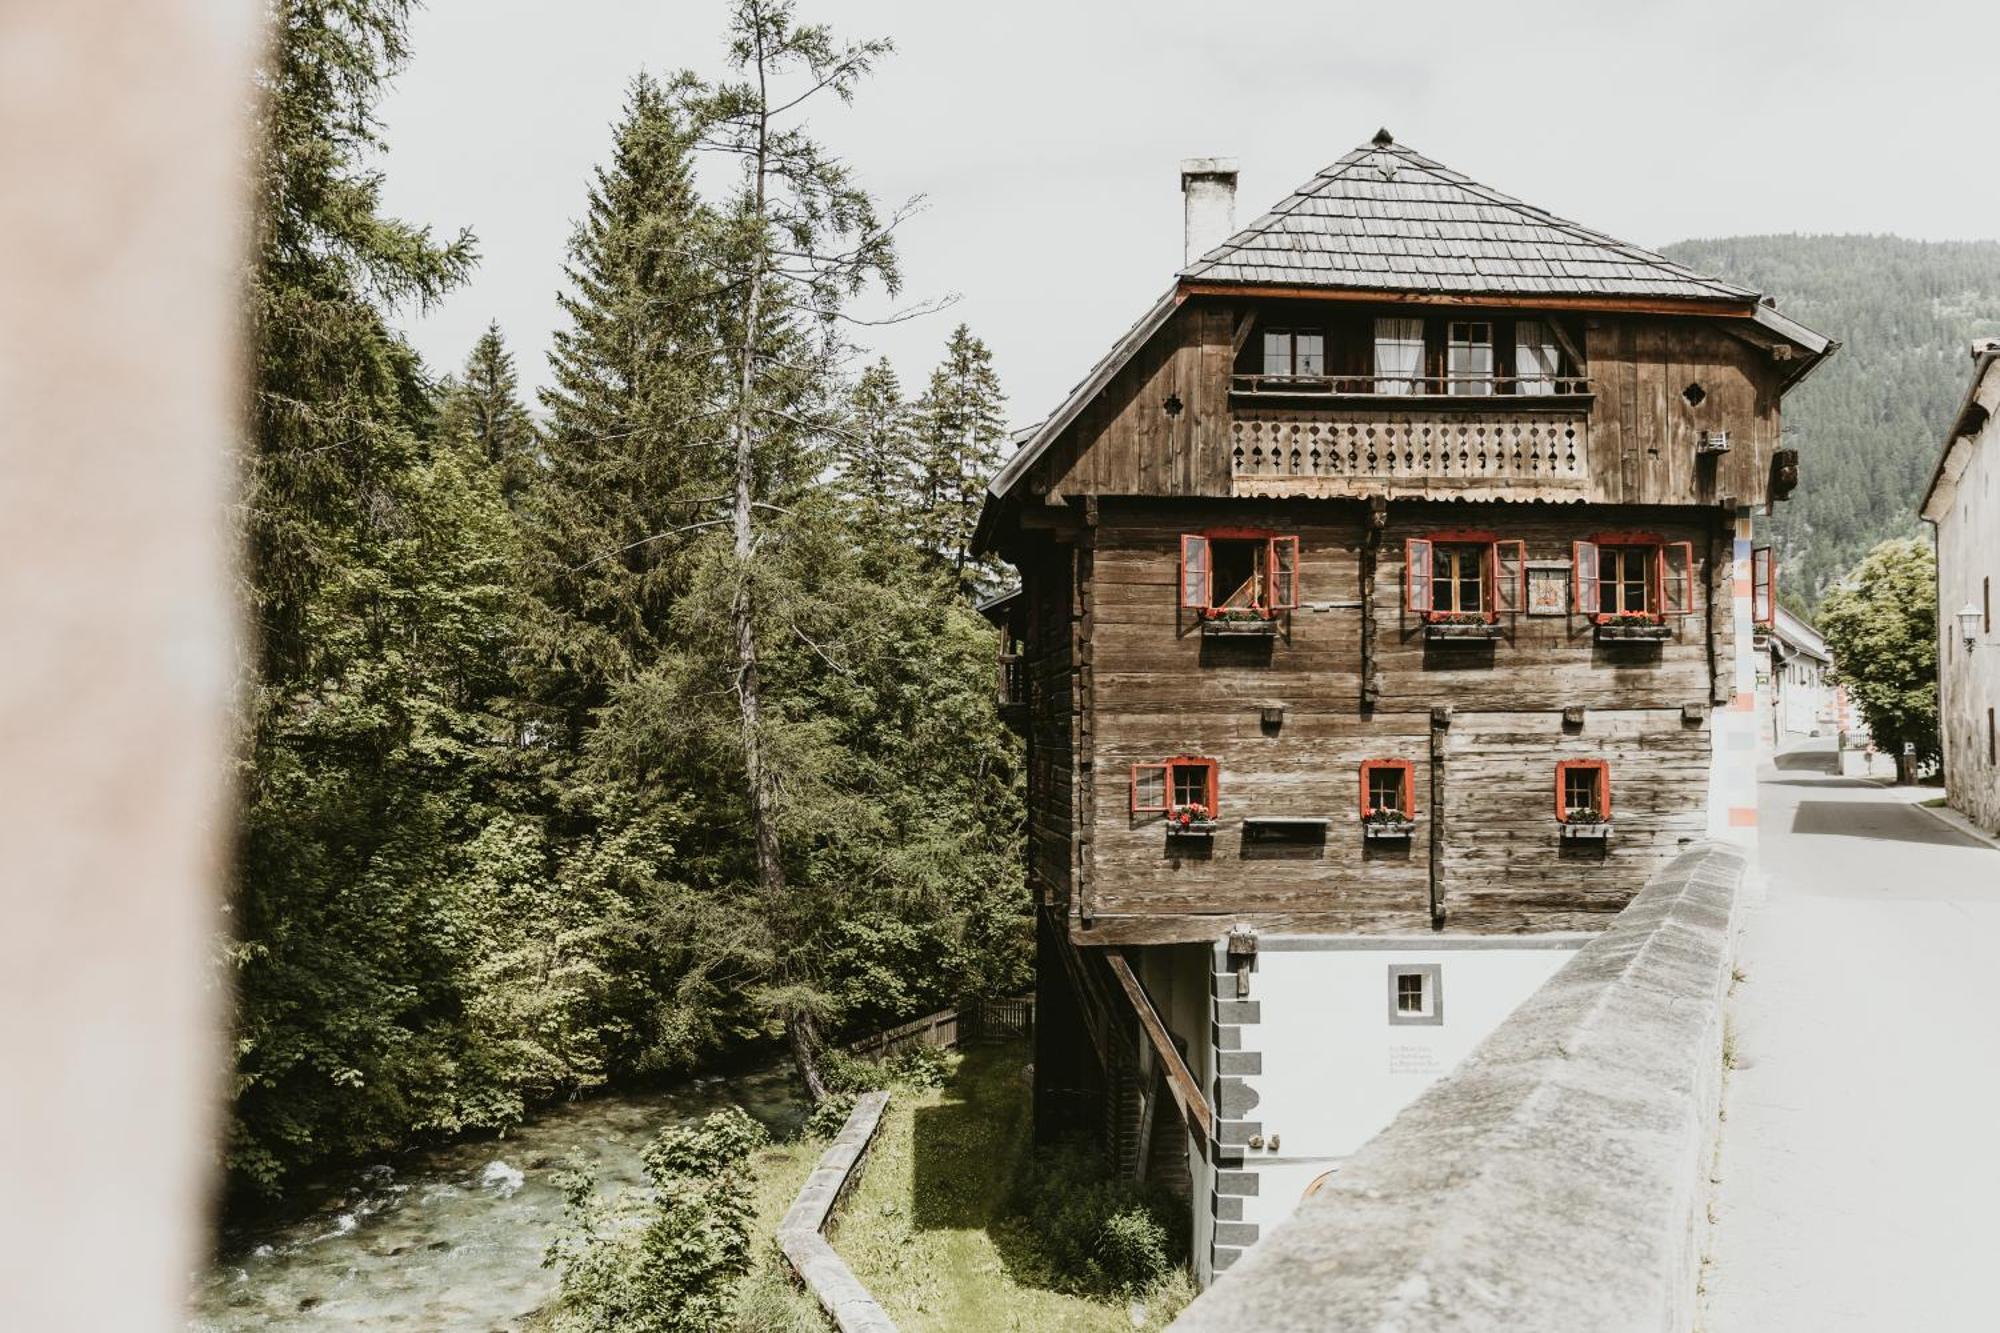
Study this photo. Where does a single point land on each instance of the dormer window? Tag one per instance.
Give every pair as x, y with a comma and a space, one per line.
1294, 353
1249, 574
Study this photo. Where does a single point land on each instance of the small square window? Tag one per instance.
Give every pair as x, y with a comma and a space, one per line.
1416, 994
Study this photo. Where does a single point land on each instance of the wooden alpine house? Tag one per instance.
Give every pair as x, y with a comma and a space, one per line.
1381, 597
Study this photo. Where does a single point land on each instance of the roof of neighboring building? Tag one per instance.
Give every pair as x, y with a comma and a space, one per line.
1799, 636
1387, 217
1966, 426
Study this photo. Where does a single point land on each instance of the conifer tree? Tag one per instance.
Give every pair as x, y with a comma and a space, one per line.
874, 451
963, 429
633, 469
798, 239
483, 407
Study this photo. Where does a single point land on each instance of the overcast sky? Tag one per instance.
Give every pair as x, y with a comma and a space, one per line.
1045, 135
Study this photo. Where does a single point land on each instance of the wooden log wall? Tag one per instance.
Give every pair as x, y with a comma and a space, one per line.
1159, 688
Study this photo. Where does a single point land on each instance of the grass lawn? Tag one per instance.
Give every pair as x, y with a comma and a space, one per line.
926, 1229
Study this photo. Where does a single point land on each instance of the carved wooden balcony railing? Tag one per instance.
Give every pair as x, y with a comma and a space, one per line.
1013, 683
1454, 389
1379, 451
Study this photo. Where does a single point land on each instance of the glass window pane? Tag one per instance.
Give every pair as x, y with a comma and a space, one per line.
1310, 354
1277, 353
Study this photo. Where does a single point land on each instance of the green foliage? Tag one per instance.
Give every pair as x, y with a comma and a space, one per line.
1882, 627
495, 846
829, 1114
1099, 1235
1870, 422
667, 1258
961, 427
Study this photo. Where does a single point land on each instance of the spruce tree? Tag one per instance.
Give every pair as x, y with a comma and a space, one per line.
874, 451
963, 429
797, 240
483, 407
633, 470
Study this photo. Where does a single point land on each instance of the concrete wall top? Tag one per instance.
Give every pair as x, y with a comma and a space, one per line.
1555, 1181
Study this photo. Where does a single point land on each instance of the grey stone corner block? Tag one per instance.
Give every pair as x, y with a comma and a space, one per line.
1238, 1011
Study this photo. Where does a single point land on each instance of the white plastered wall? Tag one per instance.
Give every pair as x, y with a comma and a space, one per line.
1336, 1070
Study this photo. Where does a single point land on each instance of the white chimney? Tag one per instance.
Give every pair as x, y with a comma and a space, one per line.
1209, 184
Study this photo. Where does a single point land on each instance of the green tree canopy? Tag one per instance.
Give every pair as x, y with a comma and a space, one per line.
1881, 624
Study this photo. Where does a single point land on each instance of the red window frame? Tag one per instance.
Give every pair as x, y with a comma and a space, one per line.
1195, 583
1503, 573
1408, 770
1586, 567
1166, 769
1763, 586
1601, 767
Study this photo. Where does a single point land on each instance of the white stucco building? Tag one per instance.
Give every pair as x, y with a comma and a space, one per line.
1963, 505
1800, 697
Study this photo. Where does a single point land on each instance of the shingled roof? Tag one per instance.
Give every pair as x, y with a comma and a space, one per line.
1387, 217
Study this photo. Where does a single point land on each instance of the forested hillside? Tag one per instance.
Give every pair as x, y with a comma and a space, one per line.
1869, 423
597, 747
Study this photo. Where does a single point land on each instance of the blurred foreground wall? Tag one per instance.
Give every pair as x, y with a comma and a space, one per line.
123, 137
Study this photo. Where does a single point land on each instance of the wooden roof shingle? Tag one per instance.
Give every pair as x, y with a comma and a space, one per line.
1385, 216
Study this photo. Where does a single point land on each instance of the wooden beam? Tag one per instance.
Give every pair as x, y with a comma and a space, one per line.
1187, 1093
1631, 305
1569, 346
1242, 334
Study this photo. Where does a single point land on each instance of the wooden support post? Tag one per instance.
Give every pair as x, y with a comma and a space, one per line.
1180, 1081
1371, 554
1083, 805
1440, 725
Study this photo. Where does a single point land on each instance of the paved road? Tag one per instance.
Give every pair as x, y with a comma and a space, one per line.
1861, 1150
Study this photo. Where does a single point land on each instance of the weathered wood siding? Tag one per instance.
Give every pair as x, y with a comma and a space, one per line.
1164, 426
1050, 751
1160, 688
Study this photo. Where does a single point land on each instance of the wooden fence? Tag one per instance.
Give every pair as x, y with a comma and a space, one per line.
973, 1020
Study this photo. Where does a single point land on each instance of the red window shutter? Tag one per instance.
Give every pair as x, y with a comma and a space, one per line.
1151, 788
1583, 577
1283, 565
1417, 575
1676, 579
1763, 586
1194, 572
1509, 565
1604, 787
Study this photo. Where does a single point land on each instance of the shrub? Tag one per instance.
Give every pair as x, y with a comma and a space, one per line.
666, 1258
1132, 1248
919, 1067
828, 1116
1099, 1236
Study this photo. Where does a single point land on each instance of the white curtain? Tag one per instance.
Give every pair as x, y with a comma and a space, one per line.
1399, 355
1536, 358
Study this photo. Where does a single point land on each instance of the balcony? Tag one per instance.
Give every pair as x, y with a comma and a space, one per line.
1328, 442
1425, 391
1013, 687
